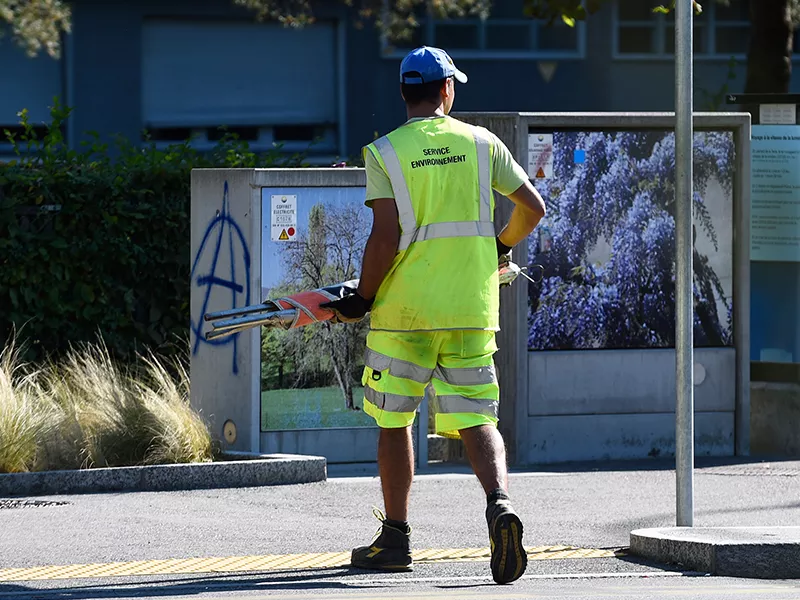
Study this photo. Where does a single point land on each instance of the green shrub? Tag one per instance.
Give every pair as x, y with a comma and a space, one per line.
95, 241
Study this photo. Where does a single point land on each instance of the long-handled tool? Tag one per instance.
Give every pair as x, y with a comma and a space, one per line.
303, 308
289, 312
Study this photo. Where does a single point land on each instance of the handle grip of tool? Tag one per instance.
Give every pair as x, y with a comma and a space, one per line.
508, 273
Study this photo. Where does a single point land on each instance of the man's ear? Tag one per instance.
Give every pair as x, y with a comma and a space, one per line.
446, 90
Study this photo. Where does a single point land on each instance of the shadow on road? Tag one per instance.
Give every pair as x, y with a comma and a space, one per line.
153, 588
288, 580
623, 556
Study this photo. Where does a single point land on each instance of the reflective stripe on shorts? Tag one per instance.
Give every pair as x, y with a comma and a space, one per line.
467, 376
392, 402
396, 367
460, 404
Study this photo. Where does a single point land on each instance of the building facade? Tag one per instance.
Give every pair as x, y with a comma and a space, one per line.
180, 69
170, 70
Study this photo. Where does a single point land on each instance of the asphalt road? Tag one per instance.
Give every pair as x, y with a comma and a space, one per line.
428, 585
587, 506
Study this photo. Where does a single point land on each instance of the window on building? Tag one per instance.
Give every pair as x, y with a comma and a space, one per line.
26, 83
719, 31
263, 82
505, 38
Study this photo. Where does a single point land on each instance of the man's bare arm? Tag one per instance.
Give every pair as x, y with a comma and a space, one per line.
381, 247
527, 213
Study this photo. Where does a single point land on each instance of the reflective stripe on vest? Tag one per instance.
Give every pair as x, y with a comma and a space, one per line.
405, 209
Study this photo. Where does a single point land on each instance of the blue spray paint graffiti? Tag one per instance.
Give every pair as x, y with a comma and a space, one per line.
210, 280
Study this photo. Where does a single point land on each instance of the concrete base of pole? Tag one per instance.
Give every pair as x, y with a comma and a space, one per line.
754, 552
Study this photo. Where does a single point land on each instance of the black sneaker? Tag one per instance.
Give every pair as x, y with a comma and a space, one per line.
509, 558
391, 550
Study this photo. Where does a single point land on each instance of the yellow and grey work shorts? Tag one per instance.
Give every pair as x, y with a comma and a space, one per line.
399, 366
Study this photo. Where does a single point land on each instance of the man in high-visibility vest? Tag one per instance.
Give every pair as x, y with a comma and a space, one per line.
430, 282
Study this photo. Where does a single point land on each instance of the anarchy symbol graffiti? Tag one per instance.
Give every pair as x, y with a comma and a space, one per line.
208, 273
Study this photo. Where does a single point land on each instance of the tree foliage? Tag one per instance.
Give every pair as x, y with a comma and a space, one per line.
397, 19
38, 24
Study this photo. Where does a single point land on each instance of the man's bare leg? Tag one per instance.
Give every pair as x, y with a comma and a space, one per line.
392, 549
487, 455
396, 468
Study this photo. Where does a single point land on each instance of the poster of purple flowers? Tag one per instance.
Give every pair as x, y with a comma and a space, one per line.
607, 244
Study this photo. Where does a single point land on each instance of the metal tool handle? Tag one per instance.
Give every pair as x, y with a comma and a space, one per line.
282, 318
236, 312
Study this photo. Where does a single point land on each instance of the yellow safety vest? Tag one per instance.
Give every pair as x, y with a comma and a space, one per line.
444, 275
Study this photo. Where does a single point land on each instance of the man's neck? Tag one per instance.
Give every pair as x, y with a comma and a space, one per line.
425, 111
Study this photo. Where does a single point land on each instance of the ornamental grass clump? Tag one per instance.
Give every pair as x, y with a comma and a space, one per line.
86, 410
27, 415
176, 432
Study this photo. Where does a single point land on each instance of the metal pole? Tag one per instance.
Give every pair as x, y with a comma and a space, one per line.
684, 309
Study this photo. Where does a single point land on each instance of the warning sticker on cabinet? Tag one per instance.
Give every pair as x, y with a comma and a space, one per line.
283, 218
540, 156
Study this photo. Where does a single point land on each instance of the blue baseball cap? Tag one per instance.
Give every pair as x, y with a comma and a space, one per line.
426, 64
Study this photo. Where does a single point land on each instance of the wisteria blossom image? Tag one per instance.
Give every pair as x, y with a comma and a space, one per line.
607, 244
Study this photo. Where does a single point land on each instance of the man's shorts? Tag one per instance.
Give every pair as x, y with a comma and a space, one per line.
399, 366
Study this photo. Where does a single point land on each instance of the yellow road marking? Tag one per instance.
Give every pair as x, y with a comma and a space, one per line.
274, 562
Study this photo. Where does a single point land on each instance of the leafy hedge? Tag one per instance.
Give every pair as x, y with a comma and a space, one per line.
91, 243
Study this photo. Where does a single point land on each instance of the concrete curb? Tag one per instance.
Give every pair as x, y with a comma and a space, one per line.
230, 472
754, 552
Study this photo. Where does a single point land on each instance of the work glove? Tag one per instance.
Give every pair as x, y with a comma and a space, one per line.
350, 309
503, 254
